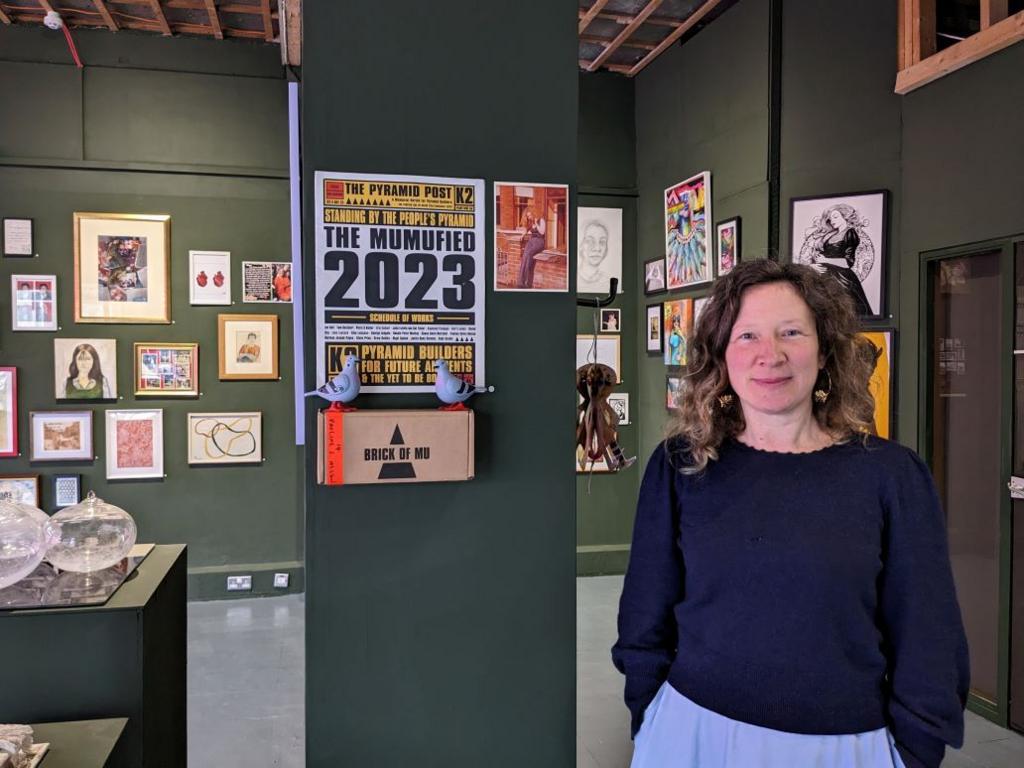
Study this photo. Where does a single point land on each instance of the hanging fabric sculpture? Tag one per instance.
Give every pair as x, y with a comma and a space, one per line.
596, 422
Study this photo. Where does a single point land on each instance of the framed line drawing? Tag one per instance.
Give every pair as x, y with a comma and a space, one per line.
844, 237
61, 436
619, 402
209, 277
247, 347
225, 438
8, 411
727, 245
85, 369
122, 268
167, 369
598, 249
687, 223
653, 334
33, 302
20, 488
18, 237
135, 443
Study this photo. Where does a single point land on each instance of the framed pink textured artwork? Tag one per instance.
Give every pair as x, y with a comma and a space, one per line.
135, 443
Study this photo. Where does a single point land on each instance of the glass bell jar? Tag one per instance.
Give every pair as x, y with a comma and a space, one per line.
23, 541
90, 536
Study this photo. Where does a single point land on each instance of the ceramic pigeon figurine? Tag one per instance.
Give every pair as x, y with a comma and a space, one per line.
452, 390
343, 388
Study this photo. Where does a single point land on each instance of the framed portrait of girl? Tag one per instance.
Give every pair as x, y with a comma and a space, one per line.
85, 369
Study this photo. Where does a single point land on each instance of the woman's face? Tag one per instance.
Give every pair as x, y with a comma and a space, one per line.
773, 357
835, 218
594, 246
84, 361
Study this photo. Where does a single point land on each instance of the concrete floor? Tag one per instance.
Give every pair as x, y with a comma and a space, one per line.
246, 671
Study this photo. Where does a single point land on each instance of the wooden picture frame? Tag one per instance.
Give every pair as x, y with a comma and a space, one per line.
166, 369
61, 436
122, 268
8, 411
225, 438
135, 443
240, 356
22, 488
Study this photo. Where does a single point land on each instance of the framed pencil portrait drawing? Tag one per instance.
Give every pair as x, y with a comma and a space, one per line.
23, 489
135, 443
122, 268
844, 237
61, 435
8, 411
33, 302
247, 347
166, 369
85, 369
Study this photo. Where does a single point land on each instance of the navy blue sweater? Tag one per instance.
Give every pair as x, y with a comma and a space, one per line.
809, 593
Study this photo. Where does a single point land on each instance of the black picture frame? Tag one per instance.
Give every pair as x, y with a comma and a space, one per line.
881, 267
737, 222
60, 495
664, 276
647, 330
32, 238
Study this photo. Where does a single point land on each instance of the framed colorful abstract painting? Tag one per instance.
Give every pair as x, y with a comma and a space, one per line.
677, 325
687, 246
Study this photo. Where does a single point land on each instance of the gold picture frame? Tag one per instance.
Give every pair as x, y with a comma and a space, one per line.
240, 356
166, 369
122, 268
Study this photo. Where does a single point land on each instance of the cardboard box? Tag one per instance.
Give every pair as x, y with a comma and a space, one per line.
399, 446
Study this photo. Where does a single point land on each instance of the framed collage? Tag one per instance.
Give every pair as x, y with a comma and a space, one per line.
166, 370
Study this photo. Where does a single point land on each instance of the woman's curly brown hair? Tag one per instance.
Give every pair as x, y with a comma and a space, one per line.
703, 423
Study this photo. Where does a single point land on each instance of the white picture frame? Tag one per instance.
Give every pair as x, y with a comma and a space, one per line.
34, 302
619, 402
266, 282
209, 278
71, 382
135, 443
61, 436
225, 437
18, 239
607, 349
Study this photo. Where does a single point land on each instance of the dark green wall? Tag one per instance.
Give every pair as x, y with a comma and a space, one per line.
702, 106
134, 132
440, 617
607, 177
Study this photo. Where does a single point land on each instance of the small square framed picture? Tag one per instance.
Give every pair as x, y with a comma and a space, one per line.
17, 237
61, 435
247, 346
23, 489
8, 411
619, 402
135, 443
67, 490
34, 302
611, 320
654, 276
652, 332
166, 370
209, 278
225, 438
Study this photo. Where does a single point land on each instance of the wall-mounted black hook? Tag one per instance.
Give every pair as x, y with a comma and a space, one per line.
612, 288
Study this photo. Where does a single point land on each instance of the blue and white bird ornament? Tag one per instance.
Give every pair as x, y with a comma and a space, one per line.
343, 388
452, 390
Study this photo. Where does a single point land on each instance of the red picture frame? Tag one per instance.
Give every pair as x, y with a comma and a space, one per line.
9, 412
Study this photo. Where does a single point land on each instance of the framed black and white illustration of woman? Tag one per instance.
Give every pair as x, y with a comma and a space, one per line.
844, 236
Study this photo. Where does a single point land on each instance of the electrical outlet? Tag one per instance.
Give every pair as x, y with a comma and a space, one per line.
280, 581
239, 583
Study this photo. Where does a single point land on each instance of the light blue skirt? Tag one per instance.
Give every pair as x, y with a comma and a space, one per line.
677, 733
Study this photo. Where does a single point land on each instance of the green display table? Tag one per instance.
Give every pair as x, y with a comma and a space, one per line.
80, 744
126, 657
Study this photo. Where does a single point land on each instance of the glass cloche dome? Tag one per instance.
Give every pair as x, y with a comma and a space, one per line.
23, 541
90, 536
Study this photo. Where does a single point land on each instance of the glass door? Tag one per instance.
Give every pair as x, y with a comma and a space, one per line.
967, 439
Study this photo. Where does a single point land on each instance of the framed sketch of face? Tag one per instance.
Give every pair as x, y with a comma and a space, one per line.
599, 249
85, 369
247, 346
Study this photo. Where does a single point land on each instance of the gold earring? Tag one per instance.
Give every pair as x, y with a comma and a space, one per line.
821, 395
724, 401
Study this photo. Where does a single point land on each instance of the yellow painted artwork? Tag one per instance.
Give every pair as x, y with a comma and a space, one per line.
880, 383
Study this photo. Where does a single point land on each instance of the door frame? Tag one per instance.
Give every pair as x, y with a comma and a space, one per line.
998, 711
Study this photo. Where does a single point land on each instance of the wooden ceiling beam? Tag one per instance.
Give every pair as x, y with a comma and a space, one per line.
158, 12
628, 30
678, 32
45, 6
626, 18
199, 5
4, 17
992, 12
268, 22
211, 12
598, 40
105, 13
290, 25
591, 12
